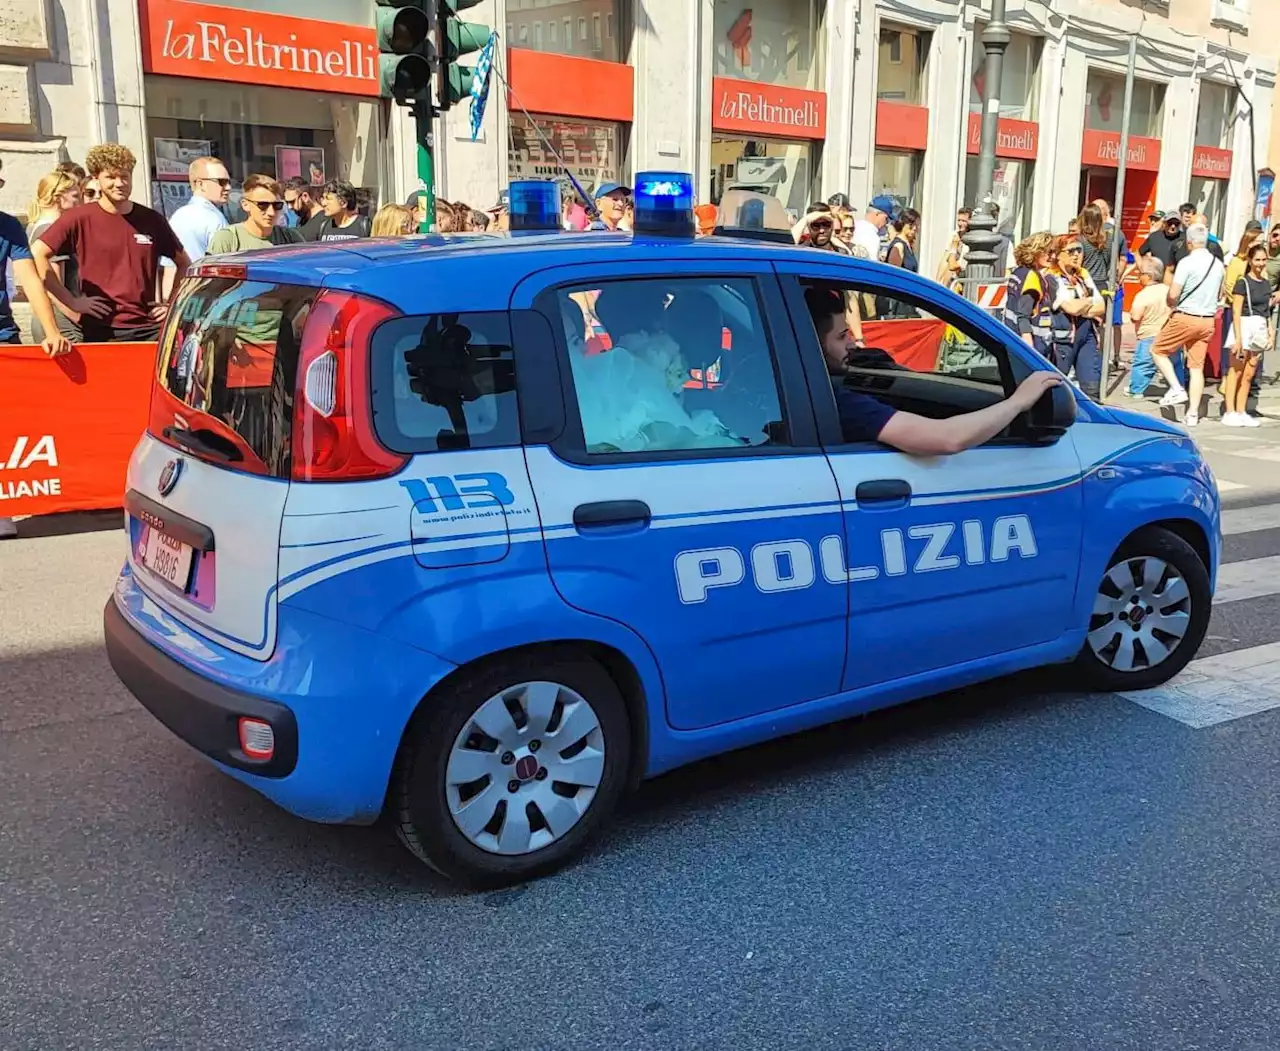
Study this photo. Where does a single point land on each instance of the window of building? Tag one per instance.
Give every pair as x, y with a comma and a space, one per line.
582, 29
553, 33
445, 382
768, 41
591, 150
903, 64
537, 36
900, 175
672, 365
1010, 190
785, 170
524, 33
608, 25
568, 35
1104, 105
579, 27
1020, 80
1215, 114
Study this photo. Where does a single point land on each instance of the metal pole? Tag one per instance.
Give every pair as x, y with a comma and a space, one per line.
1113, 268
422, 117
981, 238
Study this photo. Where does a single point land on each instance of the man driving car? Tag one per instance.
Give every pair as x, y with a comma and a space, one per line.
867, 419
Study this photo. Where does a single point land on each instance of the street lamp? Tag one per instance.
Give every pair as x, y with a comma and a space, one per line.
981, 237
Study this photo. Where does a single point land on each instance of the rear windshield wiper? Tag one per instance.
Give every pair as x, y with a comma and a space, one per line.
204, 443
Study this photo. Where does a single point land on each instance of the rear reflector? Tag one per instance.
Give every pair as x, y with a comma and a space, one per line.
321, 386
257, 739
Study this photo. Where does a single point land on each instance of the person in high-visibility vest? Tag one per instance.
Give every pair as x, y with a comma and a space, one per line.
1028, 302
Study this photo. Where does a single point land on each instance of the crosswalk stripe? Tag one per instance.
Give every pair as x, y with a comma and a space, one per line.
1226, 487
1250, 519
1217, 689
1252, 578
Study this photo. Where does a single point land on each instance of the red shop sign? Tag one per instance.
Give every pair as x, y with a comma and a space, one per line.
767, 109
1102, 149
901, 126
1210, 163
1015, 139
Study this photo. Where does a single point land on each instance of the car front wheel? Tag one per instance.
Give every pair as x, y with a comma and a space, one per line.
1150, 613
506, 774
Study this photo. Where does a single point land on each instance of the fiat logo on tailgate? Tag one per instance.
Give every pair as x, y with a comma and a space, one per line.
169, 477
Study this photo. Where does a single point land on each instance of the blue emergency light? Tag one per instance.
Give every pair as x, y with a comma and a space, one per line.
664, 204
534, 204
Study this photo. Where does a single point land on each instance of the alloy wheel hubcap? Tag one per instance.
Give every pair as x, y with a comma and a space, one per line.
525, 768
1141, 613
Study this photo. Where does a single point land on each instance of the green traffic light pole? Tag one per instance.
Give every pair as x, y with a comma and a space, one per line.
426, 139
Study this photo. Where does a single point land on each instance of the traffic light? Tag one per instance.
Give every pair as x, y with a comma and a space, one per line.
408, 53
455, 38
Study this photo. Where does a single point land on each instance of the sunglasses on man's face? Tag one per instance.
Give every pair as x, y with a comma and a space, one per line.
224, 183
822, 224
263, 206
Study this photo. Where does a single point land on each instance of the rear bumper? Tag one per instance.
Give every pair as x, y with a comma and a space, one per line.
203, 713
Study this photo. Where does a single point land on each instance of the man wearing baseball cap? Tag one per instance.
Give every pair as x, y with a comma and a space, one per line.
611, 203
868, 231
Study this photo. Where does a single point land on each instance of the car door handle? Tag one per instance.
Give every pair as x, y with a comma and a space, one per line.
883, 491
611, 512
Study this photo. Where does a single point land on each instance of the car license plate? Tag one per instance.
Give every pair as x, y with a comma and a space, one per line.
169, 559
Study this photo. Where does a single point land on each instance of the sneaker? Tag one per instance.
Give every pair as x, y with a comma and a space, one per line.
1245, 420
1191, 419
1134, 396
8, 528
1232, 419
1177, 396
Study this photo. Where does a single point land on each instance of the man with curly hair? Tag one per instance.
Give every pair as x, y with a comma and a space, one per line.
118, 244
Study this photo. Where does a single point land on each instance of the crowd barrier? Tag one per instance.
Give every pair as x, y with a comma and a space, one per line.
69, 424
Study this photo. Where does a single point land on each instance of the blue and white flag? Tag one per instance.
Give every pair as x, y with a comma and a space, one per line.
480, 85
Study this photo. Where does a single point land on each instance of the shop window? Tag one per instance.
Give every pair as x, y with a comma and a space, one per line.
1011, 191
671, 365
899, 175
1104, 108
1215, 115
445, 381
580, 27
902, 66
1210, 196
1020, 80
768, 41
591, 150
782, 169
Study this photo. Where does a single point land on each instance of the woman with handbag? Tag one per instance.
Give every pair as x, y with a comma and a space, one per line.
1250, 335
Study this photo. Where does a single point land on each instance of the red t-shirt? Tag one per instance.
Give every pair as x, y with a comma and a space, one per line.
118, 255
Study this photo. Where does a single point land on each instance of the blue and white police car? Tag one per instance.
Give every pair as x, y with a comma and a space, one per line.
480, 531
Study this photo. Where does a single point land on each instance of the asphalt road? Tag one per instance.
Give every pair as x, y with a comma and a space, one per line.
1010, 868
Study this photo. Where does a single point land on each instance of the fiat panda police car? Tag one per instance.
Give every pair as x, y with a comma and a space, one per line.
480, 531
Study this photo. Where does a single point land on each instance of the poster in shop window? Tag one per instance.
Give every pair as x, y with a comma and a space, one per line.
300, 161
589, 151
174, 157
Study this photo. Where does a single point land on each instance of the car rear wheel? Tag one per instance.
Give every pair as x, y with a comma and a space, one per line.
1150, 613
506, 774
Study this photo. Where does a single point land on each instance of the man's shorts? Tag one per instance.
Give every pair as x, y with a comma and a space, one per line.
1185, 330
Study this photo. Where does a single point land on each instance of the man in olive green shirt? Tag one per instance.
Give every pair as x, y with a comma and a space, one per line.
262, 201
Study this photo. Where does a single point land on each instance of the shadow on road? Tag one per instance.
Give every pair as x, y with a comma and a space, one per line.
70, 523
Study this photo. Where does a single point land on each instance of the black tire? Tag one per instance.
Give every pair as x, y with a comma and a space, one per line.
419, 805
1155, 542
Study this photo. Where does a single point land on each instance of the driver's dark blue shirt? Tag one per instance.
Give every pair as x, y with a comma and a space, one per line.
862, 417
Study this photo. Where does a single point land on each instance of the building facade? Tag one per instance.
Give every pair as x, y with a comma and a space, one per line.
802, 98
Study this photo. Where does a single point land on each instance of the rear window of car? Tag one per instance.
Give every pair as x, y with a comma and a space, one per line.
445, 381
229, 355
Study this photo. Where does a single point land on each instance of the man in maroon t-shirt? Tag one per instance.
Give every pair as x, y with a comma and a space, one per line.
118, 245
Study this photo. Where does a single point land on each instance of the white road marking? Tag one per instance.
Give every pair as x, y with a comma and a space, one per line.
1226, 487
1252, 578
1250, 519
1271, 453
1218, 689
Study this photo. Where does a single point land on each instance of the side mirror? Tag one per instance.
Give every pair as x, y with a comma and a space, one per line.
1053, 413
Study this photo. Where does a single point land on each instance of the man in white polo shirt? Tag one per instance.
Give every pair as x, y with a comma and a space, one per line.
1193, 298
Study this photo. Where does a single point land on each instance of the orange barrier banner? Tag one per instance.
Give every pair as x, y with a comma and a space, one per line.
68, 425
913, 344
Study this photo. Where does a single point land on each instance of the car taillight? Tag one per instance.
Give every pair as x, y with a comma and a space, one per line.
333, 437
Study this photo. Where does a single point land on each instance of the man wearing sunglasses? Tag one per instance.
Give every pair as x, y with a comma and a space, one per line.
263, 204
1164, 242
202, 216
